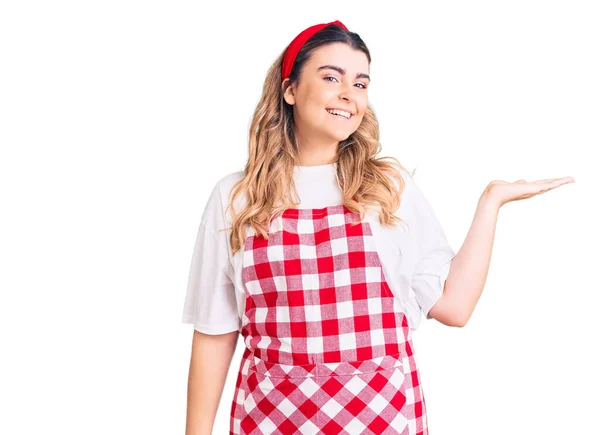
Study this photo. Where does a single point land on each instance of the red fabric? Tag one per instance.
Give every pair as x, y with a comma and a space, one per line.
298, 42
327, 346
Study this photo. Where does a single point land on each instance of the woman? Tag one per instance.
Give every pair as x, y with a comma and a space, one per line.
323, 257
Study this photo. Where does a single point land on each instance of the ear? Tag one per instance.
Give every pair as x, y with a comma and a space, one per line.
289, 94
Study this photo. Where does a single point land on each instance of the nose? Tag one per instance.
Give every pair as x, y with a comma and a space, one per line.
346, 91
345, 94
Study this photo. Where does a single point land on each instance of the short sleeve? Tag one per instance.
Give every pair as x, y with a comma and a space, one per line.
433, 252
210, 302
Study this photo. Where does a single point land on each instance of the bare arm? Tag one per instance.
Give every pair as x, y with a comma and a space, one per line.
469, 268
210, 361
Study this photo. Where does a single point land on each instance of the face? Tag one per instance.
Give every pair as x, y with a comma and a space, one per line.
336, 77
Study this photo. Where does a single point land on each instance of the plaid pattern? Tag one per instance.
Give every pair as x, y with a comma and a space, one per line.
328, 347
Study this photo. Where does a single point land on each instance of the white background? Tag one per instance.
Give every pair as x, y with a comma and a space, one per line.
118, 117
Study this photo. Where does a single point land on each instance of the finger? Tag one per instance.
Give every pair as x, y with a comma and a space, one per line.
561, 181
556, 180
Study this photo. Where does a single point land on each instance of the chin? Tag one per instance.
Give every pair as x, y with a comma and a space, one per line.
342, 137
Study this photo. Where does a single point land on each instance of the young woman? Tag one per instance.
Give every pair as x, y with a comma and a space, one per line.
323, 256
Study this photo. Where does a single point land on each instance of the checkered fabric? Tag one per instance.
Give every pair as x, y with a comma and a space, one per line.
328, 347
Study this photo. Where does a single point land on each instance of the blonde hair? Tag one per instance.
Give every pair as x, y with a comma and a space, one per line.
365, 180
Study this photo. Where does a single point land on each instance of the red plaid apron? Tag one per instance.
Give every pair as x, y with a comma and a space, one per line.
328, 347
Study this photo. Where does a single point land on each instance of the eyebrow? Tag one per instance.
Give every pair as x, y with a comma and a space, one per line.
342, 71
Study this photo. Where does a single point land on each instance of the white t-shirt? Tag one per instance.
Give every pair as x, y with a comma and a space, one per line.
415, 260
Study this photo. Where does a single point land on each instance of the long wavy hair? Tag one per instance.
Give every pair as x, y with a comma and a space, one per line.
366, 182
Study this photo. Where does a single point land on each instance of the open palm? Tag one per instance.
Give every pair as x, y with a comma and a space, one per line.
504, 191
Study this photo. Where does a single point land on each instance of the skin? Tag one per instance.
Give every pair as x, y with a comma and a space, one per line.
317, 131
319, 134
469, 267
209, 364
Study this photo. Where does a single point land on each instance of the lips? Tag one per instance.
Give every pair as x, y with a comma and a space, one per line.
339, 116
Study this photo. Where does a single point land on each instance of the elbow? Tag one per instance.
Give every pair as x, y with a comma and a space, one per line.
448, 312
460, 321
459, 324
458, 313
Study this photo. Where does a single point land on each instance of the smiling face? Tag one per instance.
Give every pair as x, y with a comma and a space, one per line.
335, 77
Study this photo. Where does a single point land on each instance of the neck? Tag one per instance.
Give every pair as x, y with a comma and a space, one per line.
316, 152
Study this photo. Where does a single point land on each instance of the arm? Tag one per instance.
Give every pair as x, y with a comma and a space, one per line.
210, 361
469, 268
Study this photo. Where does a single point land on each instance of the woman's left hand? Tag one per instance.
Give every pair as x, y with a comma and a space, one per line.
502, 192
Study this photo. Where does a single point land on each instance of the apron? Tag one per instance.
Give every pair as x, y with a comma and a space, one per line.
328, 349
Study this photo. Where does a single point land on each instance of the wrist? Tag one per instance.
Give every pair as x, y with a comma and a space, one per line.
489, 200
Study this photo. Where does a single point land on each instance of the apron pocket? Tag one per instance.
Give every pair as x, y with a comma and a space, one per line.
350, 368
363, 392
280, 392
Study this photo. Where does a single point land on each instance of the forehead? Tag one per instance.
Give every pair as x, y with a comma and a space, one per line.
339, 54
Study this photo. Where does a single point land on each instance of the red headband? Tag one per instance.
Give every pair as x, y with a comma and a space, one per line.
295, 46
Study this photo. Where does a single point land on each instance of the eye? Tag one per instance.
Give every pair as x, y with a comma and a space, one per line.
332, 77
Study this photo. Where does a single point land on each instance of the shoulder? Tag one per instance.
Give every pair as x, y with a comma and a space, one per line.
220, 196
408, 179
227, 182
413, 204
406, 187
406, 183
221, 187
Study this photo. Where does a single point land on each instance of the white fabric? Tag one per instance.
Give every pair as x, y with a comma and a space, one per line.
415, 259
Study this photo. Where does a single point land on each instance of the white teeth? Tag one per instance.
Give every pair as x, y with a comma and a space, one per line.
340, 112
